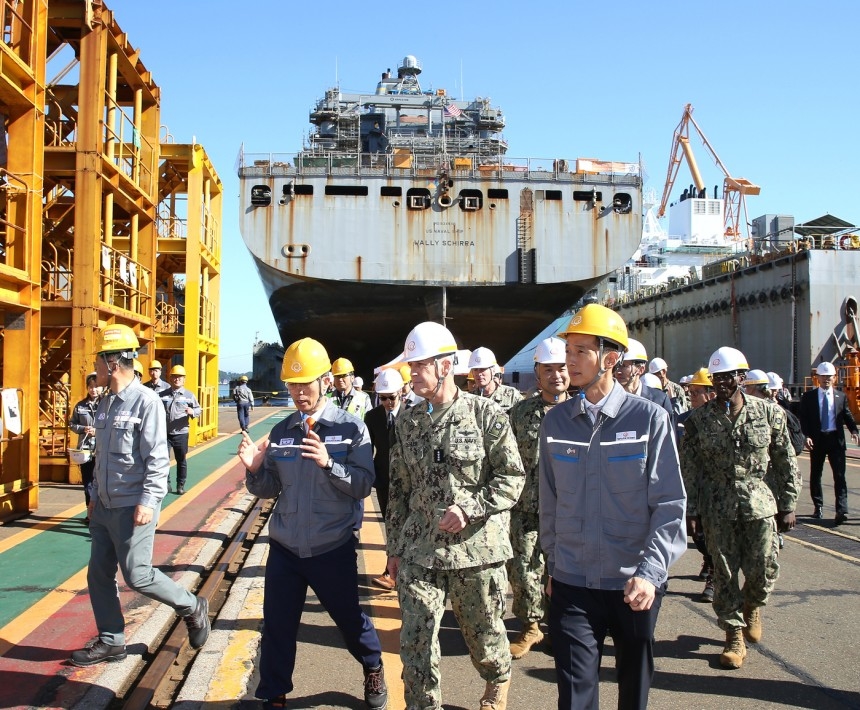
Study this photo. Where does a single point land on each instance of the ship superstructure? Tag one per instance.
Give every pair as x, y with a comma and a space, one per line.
404, 206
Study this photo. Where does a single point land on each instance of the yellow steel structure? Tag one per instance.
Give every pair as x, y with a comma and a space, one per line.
85, 195
22, 96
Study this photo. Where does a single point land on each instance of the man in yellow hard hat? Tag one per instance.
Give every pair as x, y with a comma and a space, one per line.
129, 483
181, 406
155, 382
346, 396
322, 454
244, 399
611, 517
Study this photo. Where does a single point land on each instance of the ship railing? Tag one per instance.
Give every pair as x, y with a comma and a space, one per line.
417, 163
125, 283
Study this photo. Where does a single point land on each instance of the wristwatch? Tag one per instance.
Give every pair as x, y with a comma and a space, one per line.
329, 464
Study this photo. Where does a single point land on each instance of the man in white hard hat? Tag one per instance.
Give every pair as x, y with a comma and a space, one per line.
660, 370
630, 374
380, 424
728, 446
455, 474
527, 568
484, 368
824, 414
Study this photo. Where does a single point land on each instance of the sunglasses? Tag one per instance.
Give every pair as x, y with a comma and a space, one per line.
387, 397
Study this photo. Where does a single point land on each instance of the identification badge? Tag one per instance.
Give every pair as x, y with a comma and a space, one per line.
285, 442
333, 439
622, 435
438, 456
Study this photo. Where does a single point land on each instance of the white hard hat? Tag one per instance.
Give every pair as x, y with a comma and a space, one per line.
657, 364
461, 367
482, 358
727, 359
359, 382
428, 340
551, 352
825, 368
388, 381
774, 381
635, 352
685, 380
756, 377
652, 381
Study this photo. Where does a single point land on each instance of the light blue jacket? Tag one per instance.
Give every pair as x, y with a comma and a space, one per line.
132, 462
315, 511
612, 500
176, 401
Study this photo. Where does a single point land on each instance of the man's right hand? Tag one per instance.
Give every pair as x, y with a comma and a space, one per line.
808, 444
250, 454
695, 525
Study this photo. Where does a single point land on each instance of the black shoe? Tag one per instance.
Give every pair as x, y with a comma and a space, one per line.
817, 514
198, 624
180, 489
375, 689
840, 518
708, 591
99, 652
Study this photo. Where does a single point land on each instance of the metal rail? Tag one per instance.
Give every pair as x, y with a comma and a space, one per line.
164, 661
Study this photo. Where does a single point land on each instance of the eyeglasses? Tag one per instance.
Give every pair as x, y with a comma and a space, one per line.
723, 376
387, 397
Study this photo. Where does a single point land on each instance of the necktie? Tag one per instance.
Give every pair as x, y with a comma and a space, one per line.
309, 423
825, 412
390, 420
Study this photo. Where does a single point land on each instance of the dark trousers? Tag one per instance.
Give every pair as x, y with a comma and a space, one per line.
828, 446
243, 411
87, 470
333, 577
579, 621
179, 444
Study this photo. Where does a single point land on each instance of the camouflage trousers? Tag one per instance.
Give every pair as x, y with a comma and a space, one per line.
526, 569
748, 546
477, 597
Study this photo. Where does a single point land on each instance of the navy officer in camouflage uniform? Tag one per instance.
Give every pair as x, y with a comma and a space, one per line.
527, 568
455, 474
611, 518
730, 442
485, 371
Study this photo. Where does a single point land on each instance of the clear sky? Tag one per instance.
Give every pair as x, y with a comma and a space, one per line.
773, 83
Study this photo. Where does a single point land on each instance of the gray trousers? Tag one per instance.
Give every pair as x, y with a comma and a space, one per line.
117, 542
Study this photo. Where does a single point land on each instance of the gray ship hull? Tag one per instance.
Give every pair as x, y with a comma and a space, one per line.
786, 314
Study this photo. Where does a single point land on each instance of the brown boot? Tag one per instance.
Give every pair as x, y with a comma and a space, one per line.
530, 636
752, 617
495, 696
735, 651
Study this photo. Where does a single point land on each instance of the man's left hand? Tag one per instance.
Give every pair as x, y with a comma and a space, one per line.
313, 448
639, 594
142, 515
785, 521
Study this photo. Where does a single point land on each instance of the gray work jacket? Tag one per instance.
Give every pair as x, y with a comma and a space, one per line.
612, 500
175, 403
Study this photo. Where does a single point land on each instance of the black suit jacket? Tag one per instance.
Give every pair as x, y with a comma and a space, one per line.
376, 421
810, 416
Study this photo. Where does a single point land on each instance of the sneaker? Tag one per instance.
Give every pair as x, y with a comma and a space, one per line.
98, 652
708, 591
375, 689
495, 696
385, 581
198, 624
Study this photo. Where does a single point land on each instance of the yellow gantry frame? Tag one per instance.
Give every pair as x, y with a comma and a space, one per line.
89, 189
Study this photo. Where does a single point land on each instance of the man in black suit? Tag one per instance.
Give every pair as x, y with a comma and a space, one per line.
823, 414
380, 424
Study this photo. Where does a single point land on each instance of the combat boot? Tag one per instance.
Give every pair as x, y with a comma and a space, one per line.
495, 696
735, 651
752, 617
530, 636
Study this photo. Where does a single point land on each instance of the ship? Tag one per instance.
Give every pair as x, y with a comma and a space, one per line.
403, 206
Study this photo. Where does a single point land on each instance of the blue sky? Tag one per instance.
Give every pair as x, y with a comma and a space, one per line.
774, 86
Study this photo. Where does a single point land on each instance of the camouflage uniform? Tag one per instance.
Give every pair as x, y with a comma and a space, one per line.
526, 569
469, 458
730, 495
680, 402
505, 396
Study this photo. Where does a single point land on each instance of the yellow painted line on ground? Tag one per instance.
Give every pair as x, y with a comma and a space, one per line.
825, 550
231, 679
387, 623
21, 626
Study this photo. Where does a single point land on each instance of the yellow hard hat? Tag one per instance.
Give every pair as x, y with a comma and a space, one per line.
702, 378
176, 370
341, 366
405, 371
117, 338
138, 367
243, 378
305, 361
599, 321
155, 364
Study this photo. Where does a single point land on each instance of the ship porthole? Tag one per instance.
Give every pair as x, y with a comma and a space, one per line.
492, 205
396, 203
